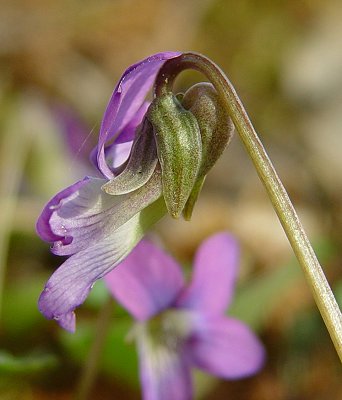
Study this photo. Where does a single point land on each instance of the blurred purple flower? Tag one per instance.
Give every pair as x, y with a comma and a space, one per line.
97, 230
181, 326
75, 131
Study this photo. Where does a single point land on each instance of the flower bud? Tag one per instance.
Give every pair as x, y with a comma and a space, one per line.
179, 149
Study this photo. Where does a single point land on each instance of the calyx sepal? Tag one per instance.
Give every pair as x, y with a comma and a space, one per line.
179, 148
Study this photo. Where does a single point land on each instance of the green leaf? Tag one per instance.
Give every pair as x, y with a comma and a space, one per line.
33, 363
20, 311
256, 300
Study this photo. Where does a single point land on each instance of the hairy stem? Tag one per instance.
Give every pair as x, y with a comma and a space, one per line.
287, 215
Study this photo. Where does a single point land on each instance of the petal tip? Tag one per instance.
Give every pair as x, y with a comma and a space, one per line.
67, 321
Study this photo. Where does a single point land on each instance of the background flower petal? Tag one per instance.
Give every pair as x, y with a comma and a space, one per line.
214, 274
164, 372
126, 100
225, 347
70, 284
146, 282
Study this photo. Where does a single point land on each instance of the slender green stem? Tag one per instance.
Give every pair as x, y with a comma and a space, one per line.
90, 370
302, 248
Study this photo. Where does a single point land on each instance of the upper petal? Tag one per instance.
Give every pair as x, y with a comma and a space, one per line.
127, 98
214, 275
70, 284
117, 152
164, 372
225, 347
146, 282
78, 218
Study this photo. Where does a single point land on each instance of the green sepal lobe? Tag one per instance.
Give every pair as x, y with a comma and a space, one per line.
179, 149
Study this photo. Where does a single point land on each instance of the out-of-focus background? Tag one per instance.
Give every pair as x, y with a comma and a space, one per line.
59, 62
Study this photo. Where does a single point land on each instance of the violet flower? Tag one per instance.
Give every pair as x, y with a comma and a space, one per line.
96, 229
180, 325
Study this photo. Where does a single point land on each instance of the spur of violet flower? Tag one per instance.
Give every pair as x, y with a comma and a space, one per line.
180, 326
149, 156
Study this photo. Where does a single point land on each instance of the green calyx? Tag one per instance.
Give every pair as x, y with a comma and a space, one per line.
213, 120
179, 149
191, 132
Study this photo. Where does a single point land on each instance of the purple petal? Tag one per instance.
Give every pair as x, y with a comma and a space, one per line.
140, 166
43, 224
117, 154
146, 282
89, 215
225, 347
128, 132
69, 286
214, 275
164, 372
127, 98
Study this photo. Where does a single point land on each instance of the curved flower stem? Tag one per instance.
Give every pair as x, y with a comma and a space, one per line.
301, 246
90, 369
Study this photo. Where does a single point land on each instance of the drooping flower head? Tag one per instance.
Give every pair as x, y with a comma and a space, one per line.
153, 158
182, 325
